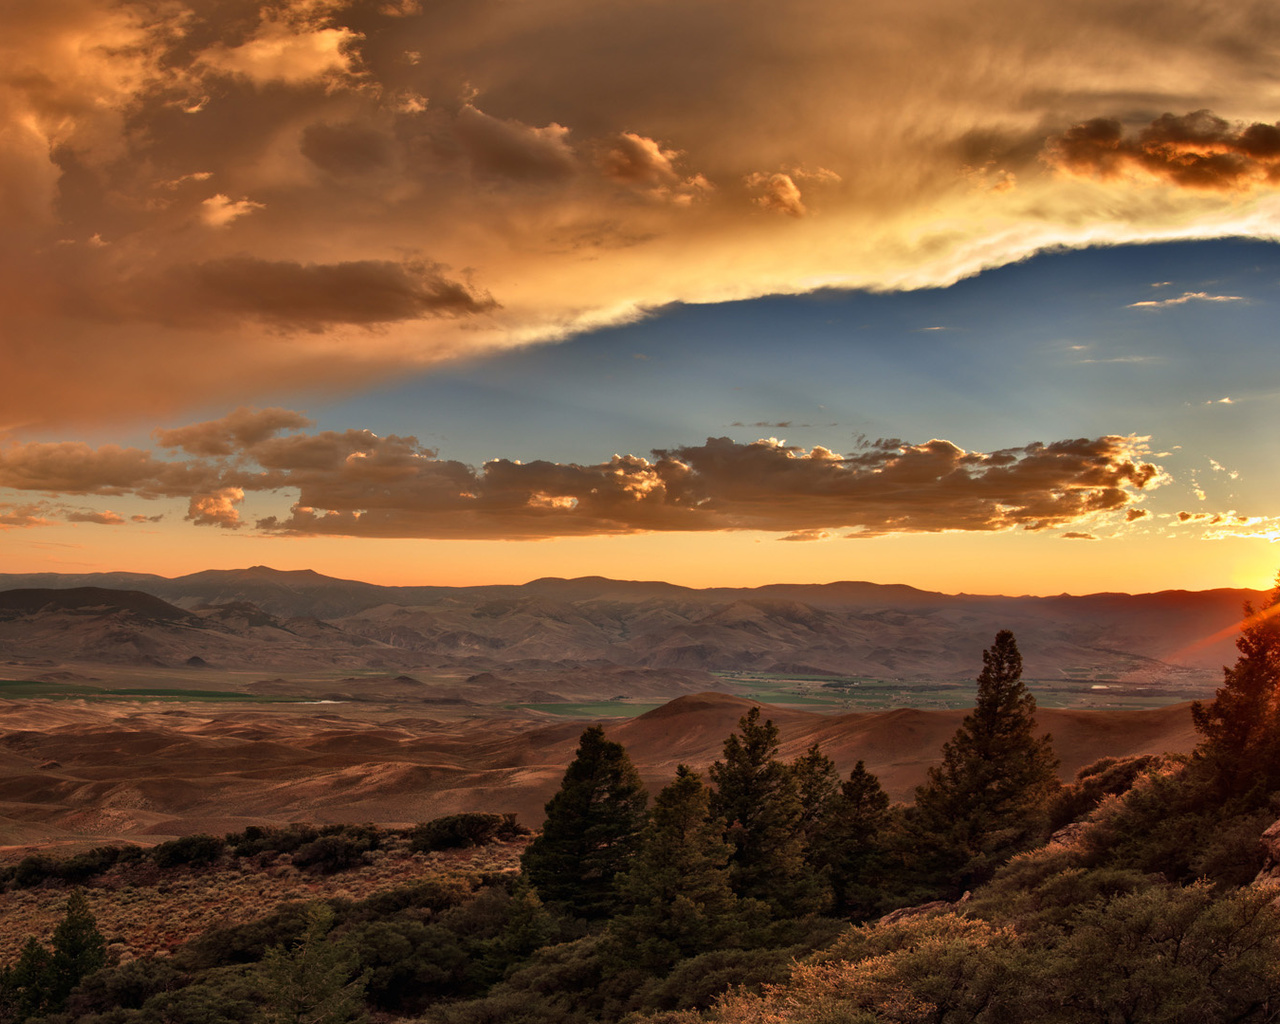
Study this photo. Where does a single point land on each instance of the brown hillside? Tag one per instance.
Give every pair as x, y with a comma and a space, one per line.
75, 772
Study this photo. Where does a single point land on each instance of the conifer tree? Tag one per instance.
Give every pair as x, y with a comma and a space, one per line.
848, 846
676, 897
316, 982
988, 798
29, 983
817, 786
1241, 726
592, 828
757, 799
79, 948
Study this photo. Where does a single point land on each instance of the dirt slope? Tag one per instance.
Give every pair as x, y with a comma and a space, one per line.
77, 772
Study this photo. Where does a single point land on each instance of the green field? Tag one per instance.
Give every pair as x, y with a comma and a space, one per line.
593, 709
25, 688
862, 693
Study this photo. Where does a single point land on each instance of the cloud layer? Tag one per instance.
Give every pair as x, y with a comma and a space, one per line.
355, 483
202, 202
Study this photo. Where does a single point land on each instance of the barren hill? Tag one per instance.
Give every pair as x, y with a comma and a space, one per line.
78, 772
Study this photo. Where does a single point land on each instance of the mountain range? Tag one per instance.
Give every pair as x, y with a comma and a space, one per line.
401, 703
265, 618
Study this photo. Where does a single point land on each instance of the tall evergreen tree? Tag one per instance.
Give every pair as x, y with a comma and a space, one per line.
79, 948
757, 799
592, 829
1241, 726
676, 897
988, 798
28, 985
818, 787
41, 980
848, 845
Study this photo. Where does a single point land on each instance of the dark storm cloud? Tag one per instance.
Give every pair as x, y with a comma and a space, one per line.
1198, 150
311, 296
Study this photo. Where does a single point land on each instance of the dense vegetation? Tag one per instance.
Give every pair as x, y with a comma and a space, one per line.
771, 891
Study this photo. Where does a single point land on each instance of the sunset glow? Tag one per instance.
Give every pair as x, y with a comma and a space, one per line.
716, 294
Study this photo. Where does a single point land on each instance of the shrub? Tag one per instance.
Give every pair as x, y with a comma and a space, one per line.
463, 830
193, 850
1109, 776
330, 854
34, 869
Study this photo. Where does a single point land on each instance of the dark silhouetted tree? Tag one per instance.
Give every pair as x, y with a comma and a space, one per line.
757, 799
41, 980
1241, 726
988, 798
592, 829
78, 948
848, 846
677, 901
27, 986
818, 786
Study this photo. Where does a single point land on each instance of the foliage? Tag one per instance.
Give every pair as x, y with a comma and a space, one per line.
817, 785
194, 850
757, 798
988, 798
314, 982
329, 854
42, 979
849, 846
463, 830
592, 828
675, 895
1108, 776
1241, 726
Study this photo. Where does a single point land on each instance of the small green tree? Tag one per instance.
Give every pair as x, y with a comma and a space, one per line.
988, 798
78, 948
1241, 726
592, 829
757, 799
676, 896
28, 985
315, 982
41, 980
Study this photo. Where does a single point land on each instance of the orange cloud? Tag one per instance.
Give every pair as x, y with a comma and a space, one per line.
103, 518
242, 428
22, 517
205, 204
217, 509
1198, 150
356, 483
510, 149
777, 192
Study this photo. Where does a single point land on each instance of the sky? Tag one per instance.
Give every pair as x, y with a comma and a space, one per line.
976, 296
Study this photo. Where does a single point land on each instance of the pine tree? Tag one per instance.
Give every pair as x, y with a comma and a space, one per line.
1241, 726
315, 982
41, 980
593, 827
757, 799
987, 799
676, 897
848, 847
29, 983
817, 786
79, 948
